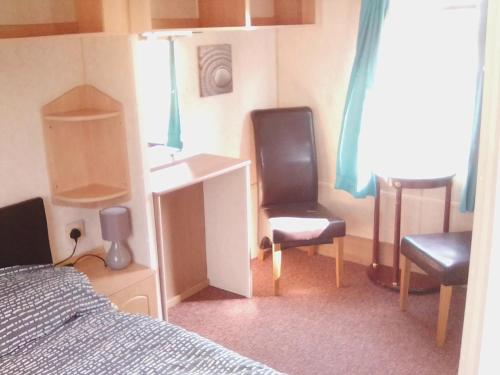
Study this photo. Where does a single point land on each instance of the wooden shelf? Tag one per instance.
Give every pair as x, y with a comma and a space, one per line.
151, 15
282, 12
87, 114
57, 17
40, 29
92, 193
87, 161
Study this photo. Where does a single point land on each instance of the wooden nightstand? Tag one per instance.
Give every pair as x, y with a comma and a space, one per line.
132, 289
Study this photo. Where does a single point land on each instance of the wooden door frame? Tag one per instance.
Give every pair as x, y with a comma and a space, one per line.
479, 352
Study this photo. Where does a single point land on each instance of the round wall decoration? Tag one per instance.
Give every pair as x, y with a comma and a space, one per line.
215, 69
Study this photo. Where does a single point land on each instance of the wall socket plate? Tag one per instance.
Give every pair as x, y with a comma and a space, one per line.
78, 224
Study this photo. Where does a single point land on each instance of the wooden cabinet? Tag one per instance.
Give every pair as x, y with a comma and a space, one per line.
150, 15
86, 148
132, 289
28, 18
282, 12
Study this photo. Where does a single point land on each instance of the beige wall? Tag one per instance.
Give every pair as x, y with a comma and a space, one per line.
36, 70
313, 68
293, 66
218, 124
33, 71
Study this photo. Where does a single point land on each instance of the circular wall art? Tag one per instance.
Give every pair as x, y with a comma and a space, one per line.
215, 69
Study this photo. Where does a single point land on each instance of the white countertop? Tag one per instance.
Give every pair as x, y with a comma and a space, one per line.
192, 170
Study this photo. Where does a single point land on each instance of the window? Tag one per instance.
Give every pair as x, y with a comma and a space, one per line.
419, 113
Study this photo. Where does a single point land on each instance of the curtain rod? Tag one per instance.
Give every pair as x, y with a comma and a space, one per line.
169, 35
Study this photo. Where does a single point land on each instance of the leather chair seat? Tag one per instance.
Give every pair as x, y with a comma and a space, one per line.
444, 256
300, 224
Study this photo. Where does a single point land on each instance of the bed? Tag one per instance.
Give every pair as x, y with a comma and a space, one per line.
53, 322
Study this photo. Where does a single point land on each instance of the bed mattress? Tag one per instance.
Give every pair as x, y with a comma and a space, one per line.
52, 322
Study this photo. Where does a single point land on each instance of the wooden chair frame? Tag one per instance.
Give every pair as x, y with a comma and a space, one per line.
338, 244
444, 301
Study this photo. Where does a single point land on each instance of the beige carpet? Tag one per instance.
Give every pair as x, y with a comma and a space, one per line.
314, 328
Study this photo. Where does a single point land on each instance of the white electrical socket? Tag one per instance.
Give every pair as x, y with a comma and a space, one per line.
79, 224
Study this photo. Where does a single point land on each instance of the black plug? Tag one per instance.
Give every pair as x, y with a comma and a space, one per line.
75, 234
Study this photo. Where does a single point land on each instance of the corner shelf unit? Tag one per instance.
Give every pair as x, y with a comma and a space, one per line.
86, 148
151, 15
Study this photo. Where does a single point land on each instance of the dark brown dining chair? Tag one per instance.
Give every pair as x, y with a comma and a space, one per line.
289, 212
444, 257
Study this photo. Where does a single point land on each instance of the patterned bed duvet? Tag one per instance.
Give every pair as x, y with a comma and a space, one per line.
52, 322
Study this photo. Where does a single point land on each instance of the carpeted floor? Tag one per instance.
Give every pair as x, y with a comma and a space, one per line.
315, 328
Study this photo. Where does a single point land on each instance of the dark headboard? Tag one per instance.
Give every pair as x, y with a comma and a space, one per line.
24, 236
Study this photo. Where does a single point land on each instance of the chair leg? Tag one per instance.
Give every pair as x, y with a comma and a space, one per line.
444, 309
312, 250
405, 284
339, 260
276, 267
261, 254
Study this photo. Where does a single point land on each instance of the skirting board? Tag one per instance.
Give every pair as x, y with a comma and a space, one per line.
171, 302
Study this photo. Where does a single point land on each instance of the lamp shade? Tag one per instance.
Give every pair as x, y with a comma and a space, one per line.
115, 223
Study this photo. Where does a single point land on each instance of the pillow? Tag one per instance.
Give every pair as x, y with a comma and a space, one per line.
37, 300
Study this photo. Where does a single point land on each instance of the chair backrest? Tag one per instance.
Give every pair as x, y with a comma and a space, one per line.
286, 155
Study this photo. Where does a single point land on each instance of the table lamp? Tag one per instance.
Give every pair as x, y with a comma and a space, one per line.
115, 227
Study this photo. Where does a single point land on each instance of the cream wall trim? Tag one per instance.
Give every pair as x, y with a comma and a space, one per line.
479, 354
171, 302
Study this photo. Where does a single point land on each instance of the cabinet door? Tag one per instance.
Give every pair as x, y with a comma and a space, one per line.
139, 298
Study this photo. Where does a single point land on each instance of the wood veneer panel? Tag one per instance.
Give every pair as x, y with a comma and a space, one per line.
183, 233
175, 23
308, 11
140, 15
138, 299
288, 12
86, 155
89, 15
263, 21
86, 114
43, 29
223, 13
91, 194
294, 12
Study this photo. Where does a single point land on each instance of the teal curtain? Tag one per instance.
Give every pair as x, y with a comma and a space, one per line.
174, 123
362, 76
469, 191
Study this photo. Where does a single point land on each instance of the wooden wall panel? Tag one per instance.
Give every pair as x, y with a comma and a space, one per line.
67, 154
86, 144
288, 11
223, 13
308, 11
89, 15
22, 31
183, 233
175, 23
